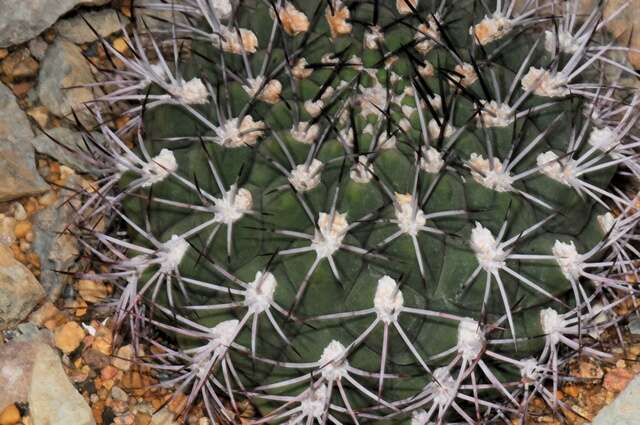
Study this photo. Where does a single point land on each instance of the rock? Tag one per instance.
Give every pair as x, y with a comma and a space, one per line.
20, 292
163, 417
38, 47
53, 243
19, 65
16, 364
65, 148
625, 409
20, 24
104, 22
52, 398
10, 415
7, 234
92, 291
62, 68
122, 359
118, 393
617, 379
634, 326
40, 115
18, 173
68, 337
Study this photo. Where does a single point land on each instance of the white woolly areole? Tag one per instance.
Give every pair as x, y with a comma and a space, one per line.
259, 295
159, 167
313, 108
360, 172
427, 70
420, 417
234, 135
333, 361
230, 208
489, 254
306, 177
388, 300
491, 28
471, 340
222, 335
372, 36
404, 7
329, 235
544, 83
496, 178
192, 92
564, 41
292, 20
603, 138
431, 160
562, 171
409, 215
337, 16
444, 388
222, 8
568, 259
552, 325
467, 75
494, 114
530, 369
229, 41
314, 402
304, 133
269, 93
372, 100
300, 70
427, 36
606, 221
172, 252
434, 129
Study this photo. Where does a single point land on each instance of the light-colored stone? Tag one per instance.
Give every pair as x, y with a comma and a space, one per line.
20, 292
38, 48
122, 359
163, 417
68, 337
625, 409
64, 145
18, 174
92, 291
104, 22
53, 243
63, 72
53, 400
16, 364
22, 20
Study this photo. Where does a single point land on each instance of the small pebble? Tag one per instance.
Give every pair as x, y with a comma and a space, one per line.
118, 393
22, 228
120, 45
19, 213
122, 358
68, 337
92, 291
10, 415
617, 379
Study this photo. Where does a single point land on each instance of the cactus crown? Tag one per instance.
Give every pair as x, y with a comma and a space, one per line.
359, 211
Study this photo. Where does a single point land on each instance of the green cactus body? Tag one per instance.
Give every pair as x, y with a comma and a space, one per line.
386, 180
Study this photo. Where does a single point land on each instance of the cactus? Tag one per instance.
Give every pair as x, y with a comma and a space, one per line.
408, 211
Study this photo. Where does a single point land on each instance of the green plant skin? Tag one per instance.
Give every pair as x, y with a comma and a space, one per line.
449, 261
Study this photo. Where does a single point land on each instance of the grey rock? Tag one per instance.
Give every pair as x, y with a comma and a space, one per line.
54, 244
16, 365
20, 292
634, 326
68, 149
53, 400
625, 409
23, 20
62, 73
38, 47
18, 173
104, 22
